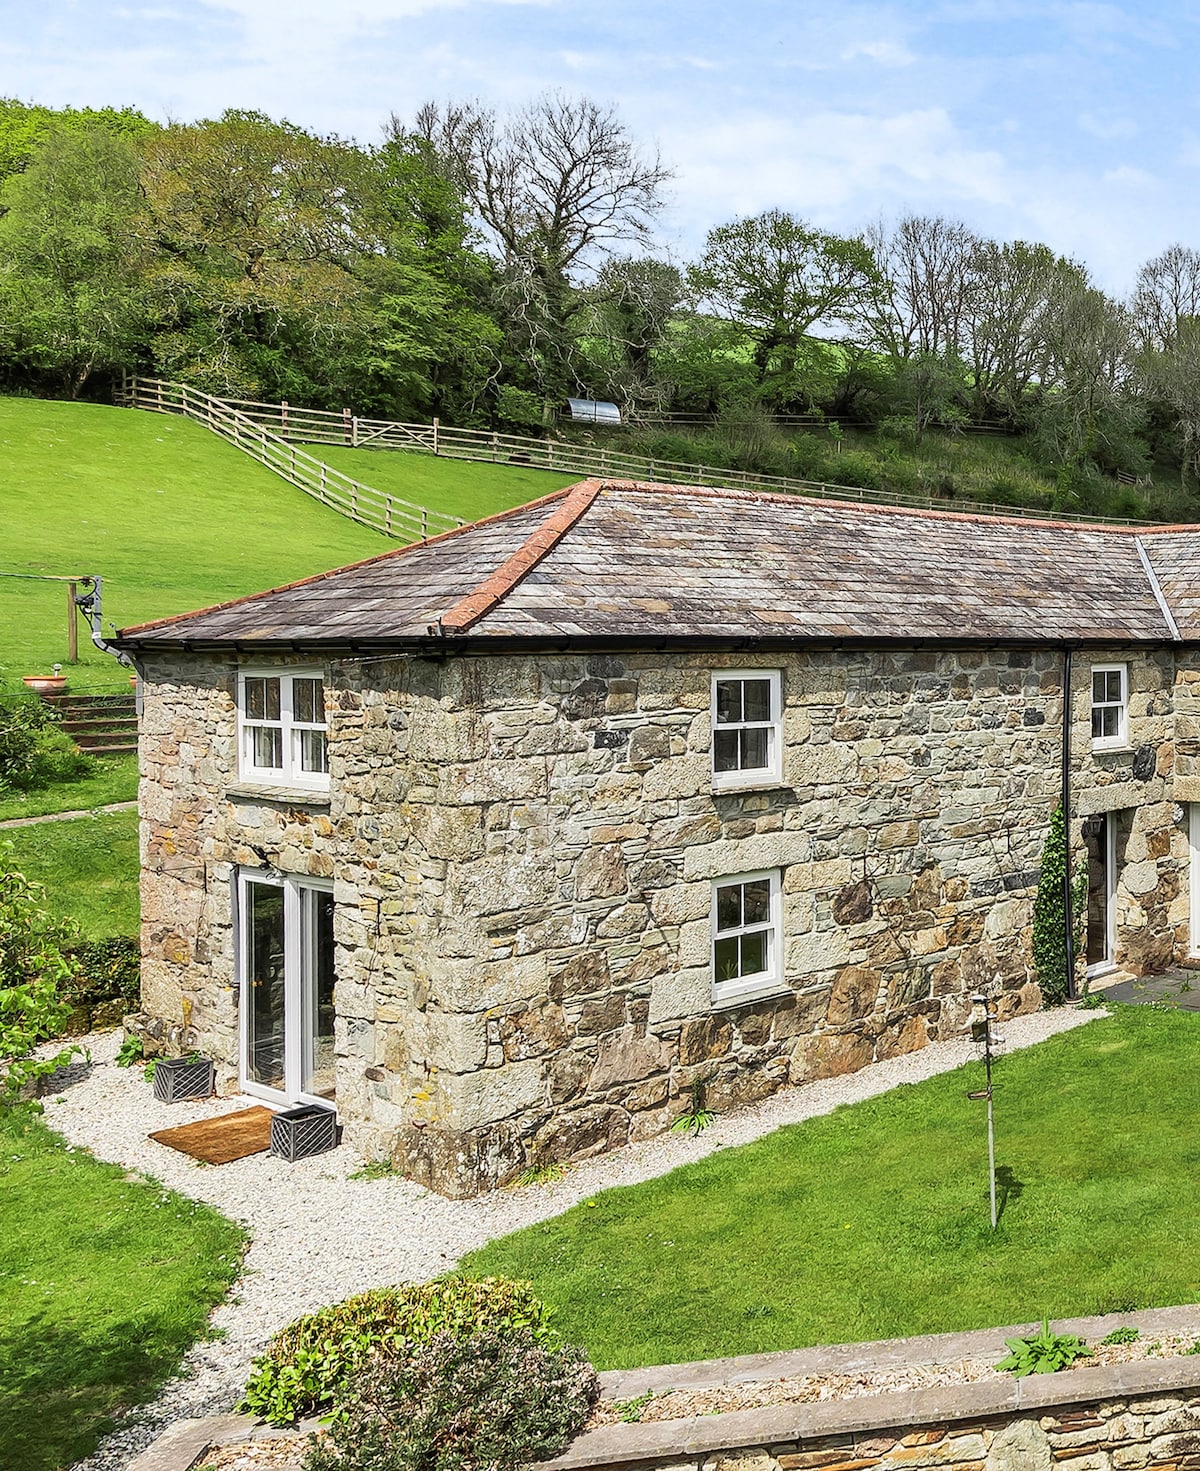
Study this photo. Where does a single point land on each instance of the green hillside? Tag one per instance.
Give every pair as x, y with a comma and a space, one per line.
174, 519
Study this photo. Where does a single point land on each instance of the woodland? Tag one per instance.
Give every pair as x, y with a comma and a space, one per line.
482, 267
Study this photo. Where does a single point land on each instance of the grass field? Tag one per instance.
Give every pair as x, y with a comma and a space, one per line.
174, 519
872, 1222
108, 1279
114, 779
89, 866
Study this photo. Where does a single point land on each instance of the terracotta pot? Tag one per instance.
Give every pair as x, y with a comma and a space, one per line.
46, 684
133, 679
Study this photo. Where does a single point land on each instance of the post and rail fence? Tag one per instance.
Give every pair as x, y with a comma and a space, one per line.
270, 432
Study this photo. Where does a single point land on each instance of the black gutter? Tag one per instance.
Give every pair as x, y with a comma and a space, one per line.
1069, 926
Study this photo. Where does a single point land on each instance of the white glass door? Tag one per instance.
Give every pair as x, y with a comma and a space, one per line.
1194, 874
285, 960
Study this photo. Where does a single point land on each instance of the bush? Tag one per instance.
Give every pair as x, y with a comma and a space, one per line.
308, 1364
106, 970
492, 1402
33, 967
1050, 914
33, 751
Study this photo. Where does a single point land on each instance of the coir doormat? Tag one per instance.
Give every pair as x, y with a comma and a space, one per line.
218, 1141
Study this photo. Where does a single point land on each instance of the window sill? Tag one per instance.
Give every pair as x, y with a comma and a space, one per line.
767, 991
1122, 750
249, 791
764, 783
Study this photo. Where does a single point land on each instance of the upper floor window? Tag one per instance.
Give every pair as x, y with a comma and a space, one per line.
745, 934
747, 727
281, 728
1110, 706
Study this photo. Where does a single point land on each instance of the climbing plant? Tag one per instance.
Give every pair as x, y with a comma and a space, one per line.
1049, 913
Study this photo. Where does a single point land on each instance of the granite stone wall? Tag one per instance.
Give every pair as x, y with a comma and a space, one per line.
523, 848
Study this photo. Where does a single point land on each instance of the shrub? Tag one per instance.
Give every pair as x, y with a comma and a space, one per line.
33, 751
107, 970
308, 1363
492, 1402
33, 967
1050, 914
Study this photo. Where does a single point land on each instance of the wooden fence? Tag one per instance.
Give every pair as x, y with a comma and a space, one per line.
394, 516
280, 426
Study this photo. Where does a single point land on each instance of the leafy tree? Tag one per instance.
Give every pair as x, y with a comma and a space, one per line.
257, 227
553, 187
780, 279
71, 300
24, 127
1167, 293
629, 314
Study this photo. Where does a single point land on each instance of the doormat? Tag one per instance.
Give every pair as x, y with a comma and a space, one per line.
218, 1141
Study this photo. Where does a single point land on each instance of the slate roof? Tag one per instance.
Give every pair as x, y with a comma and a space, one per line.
607, 560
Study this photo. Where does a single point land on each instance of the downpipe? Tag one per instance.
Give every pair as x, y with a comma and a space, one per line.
1069, 928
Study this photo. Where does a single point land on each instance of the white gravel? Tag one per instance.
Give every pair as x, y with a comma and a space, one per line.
318, 1236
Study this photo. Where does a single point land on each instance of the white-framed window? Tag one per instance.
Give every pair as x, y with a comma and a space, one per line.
746, 934
1110, 706
747, 727
281, 727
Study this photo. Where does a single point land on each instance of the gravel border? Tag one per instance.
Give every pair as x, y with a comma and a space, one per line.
302, 1255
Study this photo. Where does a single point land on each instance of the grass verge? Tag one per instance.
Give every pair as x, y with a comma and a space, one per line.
89, 866
108, 1281
872, 1222
114, 779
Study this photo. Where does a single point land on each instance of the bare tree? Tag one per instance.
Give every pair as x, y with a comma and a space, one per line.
1087, 407
1167, 292
555, 187
924, 282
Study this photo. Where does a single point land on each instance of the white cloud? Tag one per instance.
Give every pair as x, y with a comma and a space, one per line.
1125, 174
886, 53
1107, 127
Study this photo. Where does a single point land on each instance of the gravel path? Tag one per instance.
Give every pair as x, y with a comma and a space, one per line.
318, 1236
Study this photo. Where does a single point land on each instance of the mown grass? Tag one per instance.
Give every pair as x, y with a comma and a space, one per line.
108, 1280
112, 779
456, 487
872, 1222
174, 519
89, 867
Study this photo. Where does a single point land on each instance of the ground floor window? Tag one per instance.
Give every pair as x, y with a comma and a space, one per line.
746, 949
286, 978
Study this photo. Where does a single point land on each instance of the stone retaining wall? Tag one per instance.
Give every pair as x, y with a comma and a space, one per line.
522, 850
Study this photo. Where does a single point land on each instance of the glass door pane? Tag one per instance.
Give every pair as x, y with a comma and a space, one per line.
264, 984
317, 964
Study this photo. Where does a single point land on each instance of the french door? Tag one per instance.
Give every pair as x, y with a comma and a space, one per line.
285, 964
1100, 839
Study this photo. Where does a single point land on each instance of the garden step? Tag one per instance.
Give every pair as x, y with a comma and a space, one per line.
95, 749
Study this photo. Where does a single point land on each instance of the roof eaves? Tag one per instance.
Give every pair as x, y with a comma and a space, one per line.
138, 628
476, 605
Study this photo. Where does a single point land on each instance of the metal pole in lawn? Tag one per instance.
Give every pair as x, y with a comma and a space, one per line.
981, 1030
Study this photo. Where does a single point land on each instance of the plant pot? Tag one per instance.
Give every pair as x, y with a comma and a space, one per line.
46, 684
177, 1078
297, 1133
133, 681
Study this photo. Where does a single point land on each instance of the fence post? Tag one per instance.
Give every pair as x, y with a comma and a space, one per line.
72, 626
354, 431
425, 521
435, 433
324, 495
283, 408
493, 446
160, 397
347, 427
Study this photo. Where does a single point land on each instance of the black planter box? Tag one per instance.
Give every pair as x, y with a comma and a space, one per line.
297, 1133
177, 1078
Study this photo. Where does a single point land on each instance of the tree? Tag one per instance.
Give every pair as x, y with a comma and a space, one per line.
71, 254
24, 127
922, 284
554, 188
628, 315
257, 228
1173, 375
780, 278
1167, 293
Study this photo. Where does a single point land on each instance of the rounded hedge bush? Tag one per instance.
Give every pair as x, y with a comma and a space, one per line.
309, 1363
493, 1401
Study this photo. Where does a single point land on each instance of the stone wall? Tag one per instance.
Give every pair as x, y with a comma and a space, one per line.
522, 851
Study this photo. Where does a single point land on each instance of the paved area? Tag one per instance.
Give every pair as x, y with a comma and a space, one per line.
1177, 988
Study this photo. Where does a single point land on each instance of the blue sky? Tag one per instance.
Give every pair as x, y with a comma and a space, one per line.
1073, 123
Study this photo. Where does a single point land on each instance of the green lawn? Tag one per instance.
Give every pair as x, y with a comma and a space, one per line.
89, 866
107, 1280
872, 1222
174, 519
457, 487
114, 779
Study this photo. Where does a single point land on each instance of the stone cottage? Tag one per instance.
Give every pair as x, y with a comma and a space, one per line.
503, 840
